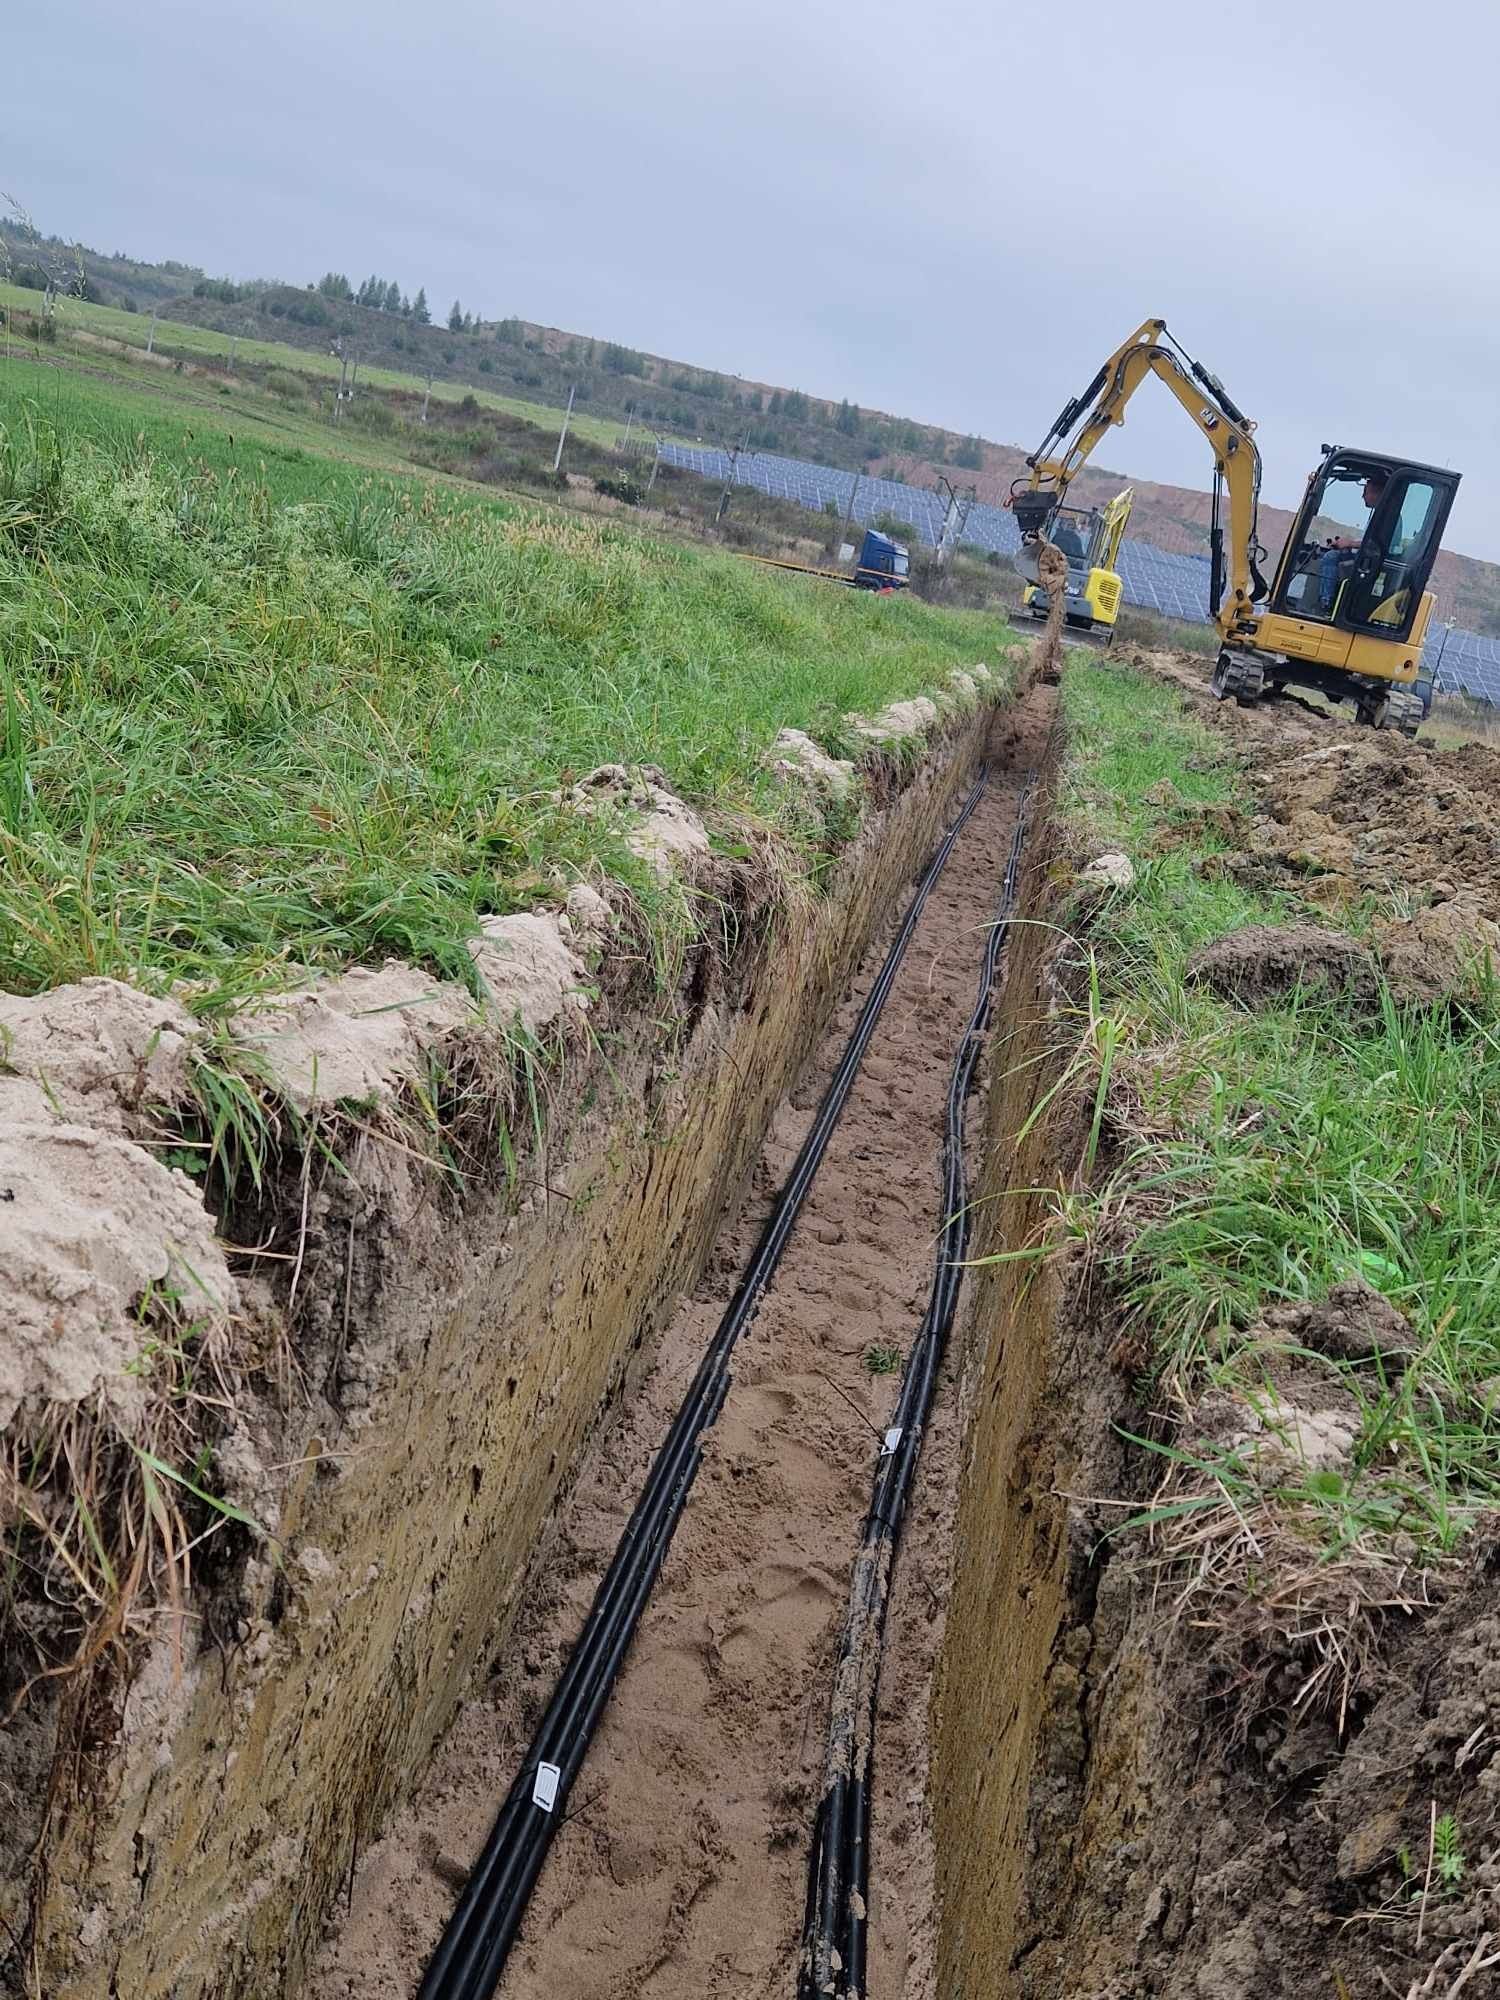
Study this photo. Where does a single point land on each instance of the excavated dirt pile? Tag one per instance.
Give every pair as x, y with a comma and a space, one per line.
1222, 1763
1340, 811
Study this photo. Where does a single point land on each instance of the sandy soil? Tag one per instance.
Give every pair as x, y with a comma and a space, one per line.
682, 1868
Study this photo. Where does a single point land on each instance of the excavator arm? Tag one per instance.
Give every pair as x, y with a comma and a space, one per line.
1082, 422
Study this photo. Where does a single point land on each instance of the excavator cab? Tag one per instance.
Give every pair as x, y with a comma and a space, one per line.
1363, 544
1349, 609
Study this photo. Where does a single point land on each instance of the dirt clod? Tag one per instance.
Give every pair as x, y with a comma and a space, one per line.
1354, 1323
1439, 952
1108, 871
1268, 961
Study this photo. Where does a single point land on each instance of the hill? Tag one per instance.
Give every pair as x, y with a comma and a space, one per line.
619, 385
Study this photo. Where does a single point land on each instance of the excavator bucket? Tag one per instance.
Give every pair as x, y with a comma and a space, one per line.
1032, 512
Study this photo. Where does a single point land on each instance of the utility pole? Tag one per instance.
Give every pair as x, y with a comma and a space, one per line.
733, 454
563, 433
426, 398
629, 425
849, 510
655, 468
234, 341
1448, 625
151, 333
954, 518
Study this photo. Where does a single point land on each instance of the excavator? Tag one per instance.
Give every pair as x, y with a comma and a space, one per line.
1347, 609
1090, 539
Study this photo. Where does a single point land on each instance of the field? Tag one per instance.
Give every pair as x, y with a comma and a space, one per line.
121, 336
274, 706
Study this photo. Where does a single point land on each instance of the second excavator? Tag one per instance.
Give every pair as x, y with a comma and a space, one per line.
1347, 608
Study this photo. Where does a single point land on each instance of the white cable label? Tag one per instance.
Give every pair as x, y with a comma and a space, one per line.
892, 1439
544, 1791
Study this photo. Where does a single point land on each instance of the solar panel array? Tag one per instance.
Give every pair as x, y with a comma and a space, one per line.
1174, 585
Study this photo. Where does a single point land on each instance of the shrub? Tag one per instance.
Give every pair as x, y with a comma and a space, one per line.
620, 486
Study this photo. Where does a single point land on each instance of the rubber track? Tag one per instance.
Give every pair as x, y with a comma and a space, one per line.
835, 1931
472, 1952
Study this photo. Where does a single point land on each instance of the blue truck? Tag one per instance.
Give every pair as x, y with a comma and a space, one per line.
883, 564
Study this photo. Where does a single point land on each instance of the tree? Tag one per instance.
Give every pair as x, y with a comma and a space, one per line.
622, 360
455, 318
405, 306
420, 310
970, 454
334, 285
393, 297
847, 419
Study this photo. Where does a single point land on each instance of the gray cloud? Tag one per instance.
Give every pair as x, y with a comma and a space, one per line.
951, 211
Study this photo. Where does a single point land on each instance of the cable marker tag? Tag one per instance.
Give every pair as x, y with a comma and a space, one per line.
892, 1439
544, 1791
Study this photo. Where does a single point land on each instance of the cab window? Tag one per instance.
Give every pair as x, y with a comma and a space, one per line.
1391, 567
1331, 532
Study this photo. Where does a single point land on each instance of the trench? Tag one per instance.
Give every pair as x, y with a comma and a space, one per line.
483, 1343
1059, 1812
681, 1866
1053, 1815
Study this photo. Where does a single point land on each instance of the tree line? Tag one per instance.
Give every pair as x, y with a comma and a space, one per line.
381, 294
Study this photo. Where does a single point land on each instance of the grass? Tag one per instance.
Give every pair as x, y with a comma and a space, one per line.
1138, 627
1455, 719
1255, 1160
267, 710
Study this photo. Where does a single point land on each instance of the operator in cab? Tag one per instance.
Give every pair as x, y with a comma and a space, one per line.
1333, 564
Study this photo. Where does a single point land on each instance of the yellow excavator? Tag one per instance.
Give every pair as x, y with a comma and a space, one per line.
1090, 538
1348, 607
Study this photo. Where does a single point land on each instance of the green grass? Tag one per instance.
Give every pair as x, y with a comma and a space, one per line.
1267, 1155
204, 345
266, 710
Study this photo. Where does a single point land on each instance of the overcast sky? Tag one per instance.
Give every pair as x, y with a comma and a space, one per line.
951, 210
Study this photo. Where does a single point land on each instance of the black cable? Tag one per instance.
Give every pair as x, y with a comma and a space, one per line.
836, 1913
472, 1951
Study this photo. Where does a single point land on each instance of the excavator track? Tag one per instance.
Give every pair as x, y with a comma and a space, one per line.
1238, 680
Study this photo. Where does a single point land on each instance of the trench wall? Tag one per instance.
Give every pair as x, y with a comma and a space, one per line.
1011, 1718
218, 1812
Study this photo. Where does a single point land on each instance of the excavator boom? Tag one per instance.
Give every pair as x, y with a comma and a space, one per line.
1084, 420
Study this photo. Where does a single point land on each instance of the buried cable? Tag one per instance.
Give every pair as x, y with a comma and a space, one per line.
836, 1915
471, 1954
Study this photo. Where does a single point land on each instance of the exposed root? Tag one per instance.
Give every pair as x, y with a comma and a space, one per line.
1294, 1629
1481, 1959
